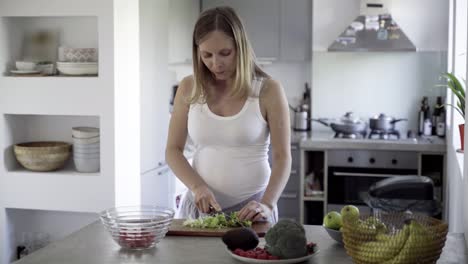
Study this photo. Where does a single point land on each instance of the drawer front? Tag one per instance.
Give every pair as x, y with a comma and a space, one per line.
293, 181
295, 156
288, 205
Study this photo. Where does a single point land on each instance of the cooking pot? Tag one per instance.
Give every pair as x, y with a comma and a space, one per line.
384, 123
347, 125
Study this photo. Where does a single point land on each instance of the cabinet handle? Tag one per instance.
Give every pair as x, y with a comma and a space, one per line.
293, 147
262, 59
289, 195
163, 171
293, 171
345, 174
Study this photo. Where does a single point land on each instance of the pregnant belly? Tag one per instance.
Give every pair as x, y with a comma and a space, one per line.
233, 175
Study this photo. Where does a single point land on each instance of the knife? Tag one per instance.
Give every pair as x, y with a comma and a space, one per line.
214, 212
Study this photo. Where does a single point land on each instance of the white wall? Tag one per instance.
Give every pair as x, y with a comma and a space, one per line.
127, 102
55, 224
293, 76
370, 83
373, 83
155, 93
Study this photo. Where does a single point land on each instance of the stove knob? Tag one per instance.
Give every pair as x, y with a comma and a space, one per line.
372, 160
350, 159
394, 161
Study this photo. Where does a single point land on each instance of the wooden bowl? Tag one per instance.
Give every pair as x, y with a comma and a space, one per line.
42, 155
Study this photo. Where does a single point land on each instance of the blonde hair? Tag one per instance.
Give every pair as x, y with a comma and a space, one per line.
223, 19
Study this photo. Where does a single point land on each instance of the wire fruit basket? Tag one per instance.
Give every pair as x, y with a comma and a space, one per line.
394, 237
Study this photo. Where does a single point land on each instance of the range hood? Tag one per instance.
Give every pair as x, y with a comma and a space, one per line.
373, 31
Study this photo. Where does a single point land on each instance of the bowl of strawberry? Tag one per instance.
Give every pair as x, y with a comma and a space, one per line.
261, 255
137, 227
285, 242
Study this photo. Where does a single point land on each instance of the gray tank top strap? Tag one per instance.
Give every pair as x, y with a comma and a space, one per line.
257, 85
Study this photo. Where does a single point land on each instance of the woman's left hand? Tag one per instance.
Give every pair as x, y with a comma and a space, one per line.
255, 211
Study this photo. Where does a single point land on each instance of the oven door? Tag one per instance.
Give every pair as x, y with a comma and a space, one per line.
349, 185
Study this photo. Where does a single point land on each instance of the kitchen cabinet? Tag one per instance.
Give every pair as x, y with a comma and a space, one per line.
433, 166
277, 29
289, 202
313, 205
262, 21
182, 17
336, 163
295, 30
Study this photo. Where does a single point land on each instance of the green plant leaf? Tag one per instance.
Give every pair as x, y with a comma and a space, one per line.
457, 89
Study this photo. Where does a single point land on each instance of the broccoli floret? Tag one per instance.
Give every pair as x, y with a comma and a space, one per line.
286, 240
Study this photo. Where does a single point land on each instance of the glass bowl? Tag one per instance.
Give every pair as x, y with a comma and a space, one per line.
137, 227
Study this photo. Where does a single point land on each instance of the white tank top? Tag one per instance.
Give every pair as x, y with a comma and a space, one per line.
231, 152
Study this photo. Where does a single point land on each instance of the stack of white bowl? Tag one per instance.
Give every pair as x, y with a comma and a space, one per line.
86, 150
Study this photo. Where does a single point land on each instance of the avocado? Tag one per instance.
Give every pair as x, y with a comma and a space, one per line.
244, 238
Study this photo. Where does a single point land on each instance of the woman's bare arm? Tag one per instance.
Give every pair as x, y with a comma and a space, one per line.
177, 137
277, 114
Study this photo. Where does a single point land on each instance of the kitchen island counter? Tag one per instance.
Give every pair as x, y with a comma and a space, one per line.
92, 244
326, 140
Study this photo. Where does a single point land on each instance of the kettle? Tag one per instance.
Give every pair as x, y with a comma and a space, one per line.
301, 118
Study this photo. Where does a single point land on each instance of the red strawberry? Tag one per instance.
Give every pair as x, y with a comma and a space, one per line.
238, 251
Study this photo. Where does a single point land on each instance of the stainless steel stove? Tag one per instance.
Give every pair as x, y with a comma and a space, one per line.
351, 136
379, 134
373, 134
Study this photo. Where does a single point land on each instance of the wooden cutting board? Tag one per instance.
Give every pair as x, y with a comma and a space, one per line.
177, 229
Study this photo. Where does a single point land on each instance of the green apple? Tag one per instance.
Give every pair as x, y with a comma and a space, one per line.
350, 212
333, 220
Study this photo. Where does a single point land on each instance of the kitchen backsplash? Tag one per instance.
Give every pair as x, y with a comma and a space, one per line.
373, 83
365, 83
292, 75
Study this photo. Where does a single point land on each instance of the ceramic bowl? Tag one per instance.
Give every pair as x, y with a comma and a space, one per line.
42, 156
25, 65
85, 132
335, 234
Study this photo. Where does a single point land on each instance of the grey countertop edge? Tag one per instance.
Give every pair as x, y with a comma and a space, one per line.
325, 141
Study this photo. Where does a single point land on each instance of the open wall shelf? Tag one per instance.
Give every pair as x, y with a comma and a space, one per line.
38, 38
27, 128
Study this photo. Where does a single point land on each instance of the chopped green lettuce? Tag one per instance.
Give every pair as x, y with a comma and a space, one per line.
218, 221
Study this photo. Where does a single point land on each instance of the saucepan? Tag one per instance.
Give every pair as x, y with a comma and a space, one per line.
348, 124
384, 123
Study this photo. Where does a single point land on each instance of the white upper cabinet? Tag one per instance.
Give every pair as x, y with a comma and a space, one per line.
277, 29
182, 17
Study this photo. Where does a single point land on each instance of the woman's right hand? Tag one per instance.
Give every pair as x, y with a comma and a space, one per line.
204, 199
